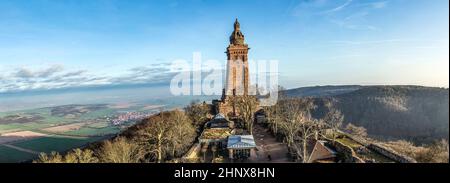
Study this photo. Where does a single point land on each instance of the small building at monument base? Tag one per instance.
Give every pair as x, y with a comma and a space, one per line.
240, 146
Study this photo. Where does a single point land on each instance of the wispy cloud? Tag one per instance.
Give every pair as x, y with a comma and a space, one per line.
56, 77
74, 73
306, 7
386, 41
375, 5
353, 26
26, 73
155, 74
348, 14
339, 8
356, 19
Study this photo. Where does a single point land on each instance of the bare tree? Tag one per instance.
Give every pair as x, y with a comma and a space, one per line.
272, 115
293, 113
298, 126
334, 120
154, 137
120, 150
75, 156
182, 133
198, 113
168, 134
437, 152
81, 156
247, 106
356, 130
289, 124
308, 129
53, 157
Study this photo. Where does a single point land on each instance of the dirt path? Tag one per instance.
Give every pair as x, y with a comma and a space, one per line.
20, 149
268, 145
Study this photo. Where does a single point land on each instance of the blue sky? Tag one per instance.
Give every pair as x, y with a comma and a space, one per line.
47, 44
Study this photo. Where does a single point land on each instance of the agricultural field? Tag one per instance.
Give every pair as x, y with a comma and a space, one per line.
10, 155
54, 143
26, 133
89, 131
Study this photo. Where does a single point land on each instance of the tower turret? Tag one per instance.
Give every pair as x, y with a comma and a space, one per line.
237, 38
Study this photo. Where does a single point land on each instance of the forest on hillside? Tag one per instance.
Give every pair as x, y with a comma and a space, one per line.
414, 113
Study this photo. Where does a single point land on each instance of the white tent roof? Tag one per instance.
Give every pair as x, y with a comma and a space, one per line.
241, 142
219, 116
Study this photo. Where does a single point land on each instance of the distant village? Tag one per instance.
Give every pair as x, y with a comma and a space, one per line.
126, 117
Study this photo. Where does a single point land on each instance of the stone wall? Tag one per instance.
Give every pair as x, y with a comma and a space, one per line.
349, 156
390, 154
360, 140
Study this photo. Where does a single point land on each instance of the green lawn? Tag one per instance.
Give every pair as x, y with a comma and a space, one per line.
9, 155
349, 142
59, 144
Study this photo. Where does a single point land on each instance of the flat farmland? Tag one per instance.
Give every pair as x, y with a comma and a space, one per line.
19, 136
25, 133
89, 131
55, 143
10, 155
64, 128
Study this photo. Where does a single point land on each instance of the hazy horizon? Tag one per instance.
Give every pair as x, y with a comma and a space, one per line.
136, 94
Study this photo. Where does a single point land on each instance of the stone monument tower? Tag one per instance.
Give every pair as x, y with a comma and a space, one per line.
237, 80
237, 73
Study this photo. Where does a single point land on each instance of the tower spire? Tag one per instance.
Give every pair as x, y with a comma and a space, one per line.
237, 38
